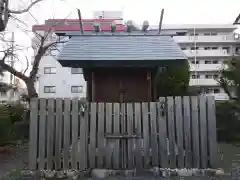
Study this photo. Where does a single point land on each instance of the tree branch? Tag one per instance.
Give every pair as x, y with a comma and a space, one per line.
25, 10
10, 69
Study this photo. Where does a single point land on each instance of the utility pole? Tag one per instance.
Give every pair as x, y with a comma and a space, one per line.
4, 14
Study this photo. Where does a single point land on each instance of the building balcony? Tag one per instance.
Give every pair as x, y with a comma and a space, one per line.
219, 96
206, 39
206, 53
206, 67
203, 82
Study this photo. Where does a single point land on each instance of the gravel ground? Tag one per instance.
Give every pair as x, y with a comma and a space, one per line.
229, 158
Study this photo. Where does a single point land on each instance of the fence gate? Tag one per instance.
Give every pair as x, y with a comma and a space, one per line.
177, 132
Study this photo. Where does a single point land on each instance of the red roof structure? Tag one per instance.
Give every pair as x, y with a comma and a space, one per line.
74, 25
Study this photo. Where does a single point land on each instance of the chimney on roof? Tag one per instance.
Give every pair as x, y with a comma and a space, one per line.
145, 26
96, 27
129, 26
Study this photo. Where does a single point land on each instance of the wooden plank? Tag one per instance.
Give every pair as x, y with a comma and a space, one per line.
179, 131
93, 126
212, 136
130, 131
162, 126
123, 131
203, 131
146, 147
153, 124
116, 128
66, 133
75, 115
50, 131
195, 132
187, 132
42, 134
83, 141
138, 128
59, 133
109, 149
100, 135
33, 141
171, 131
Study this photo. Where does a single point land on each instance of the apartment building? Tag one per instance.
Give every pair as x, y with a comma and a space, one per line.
207, 47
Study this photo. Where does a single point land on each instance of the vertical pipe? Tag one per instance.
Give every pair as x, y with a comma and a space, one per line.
195, 55
160, 22
80, 21
93, 87
149, 79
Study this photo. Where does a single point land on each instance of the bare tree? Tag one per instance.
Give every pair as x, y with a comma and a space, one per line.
42, 48
6, 13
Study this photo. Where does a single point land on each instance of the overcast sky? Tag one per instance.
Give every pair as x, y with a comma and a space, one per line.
176, 11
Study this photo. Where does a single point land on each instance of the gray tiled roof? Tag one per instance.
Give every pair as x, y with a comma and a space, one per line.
124, 47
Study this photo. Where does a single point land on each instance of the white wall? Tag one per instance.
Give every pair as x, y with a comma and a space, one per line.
63, 80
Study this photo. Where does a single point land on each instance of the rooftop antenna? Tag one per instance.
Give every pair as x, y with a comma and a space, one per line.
160, 22
80, 21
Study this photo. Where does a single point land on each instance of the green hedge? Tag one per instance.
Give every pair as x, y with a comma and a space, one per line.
11, 126
228, 123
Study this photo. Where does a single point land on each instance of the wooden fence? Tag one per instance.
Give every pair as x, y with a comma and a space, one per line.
173, 132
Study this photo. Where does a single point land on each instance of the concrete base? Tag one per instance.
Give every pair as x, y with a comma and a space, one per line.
105, 173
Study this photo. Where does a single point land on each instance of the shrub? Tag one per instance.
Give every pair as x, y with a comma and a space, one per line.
228, 124
5, 125
15, 112
173, 80
11, 126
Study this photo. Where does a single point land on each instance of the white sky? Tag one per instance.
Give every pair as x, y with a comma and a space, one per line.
176, 12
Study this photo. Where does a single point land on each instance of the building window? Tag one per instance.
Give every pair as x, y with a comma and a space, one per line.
3, 93
194, 76
206, 34
49, 70
214, 34
214, 48
207, 62
216, 91
227, 49
207, 48
193, 62
207, 76
237, 50
194, 48
215, 62
49, 89
183, 48
193, 34
76, 70
76, 89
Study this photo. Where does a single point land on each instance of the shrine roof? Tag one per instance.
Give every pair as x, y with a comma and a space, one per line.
102, 50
